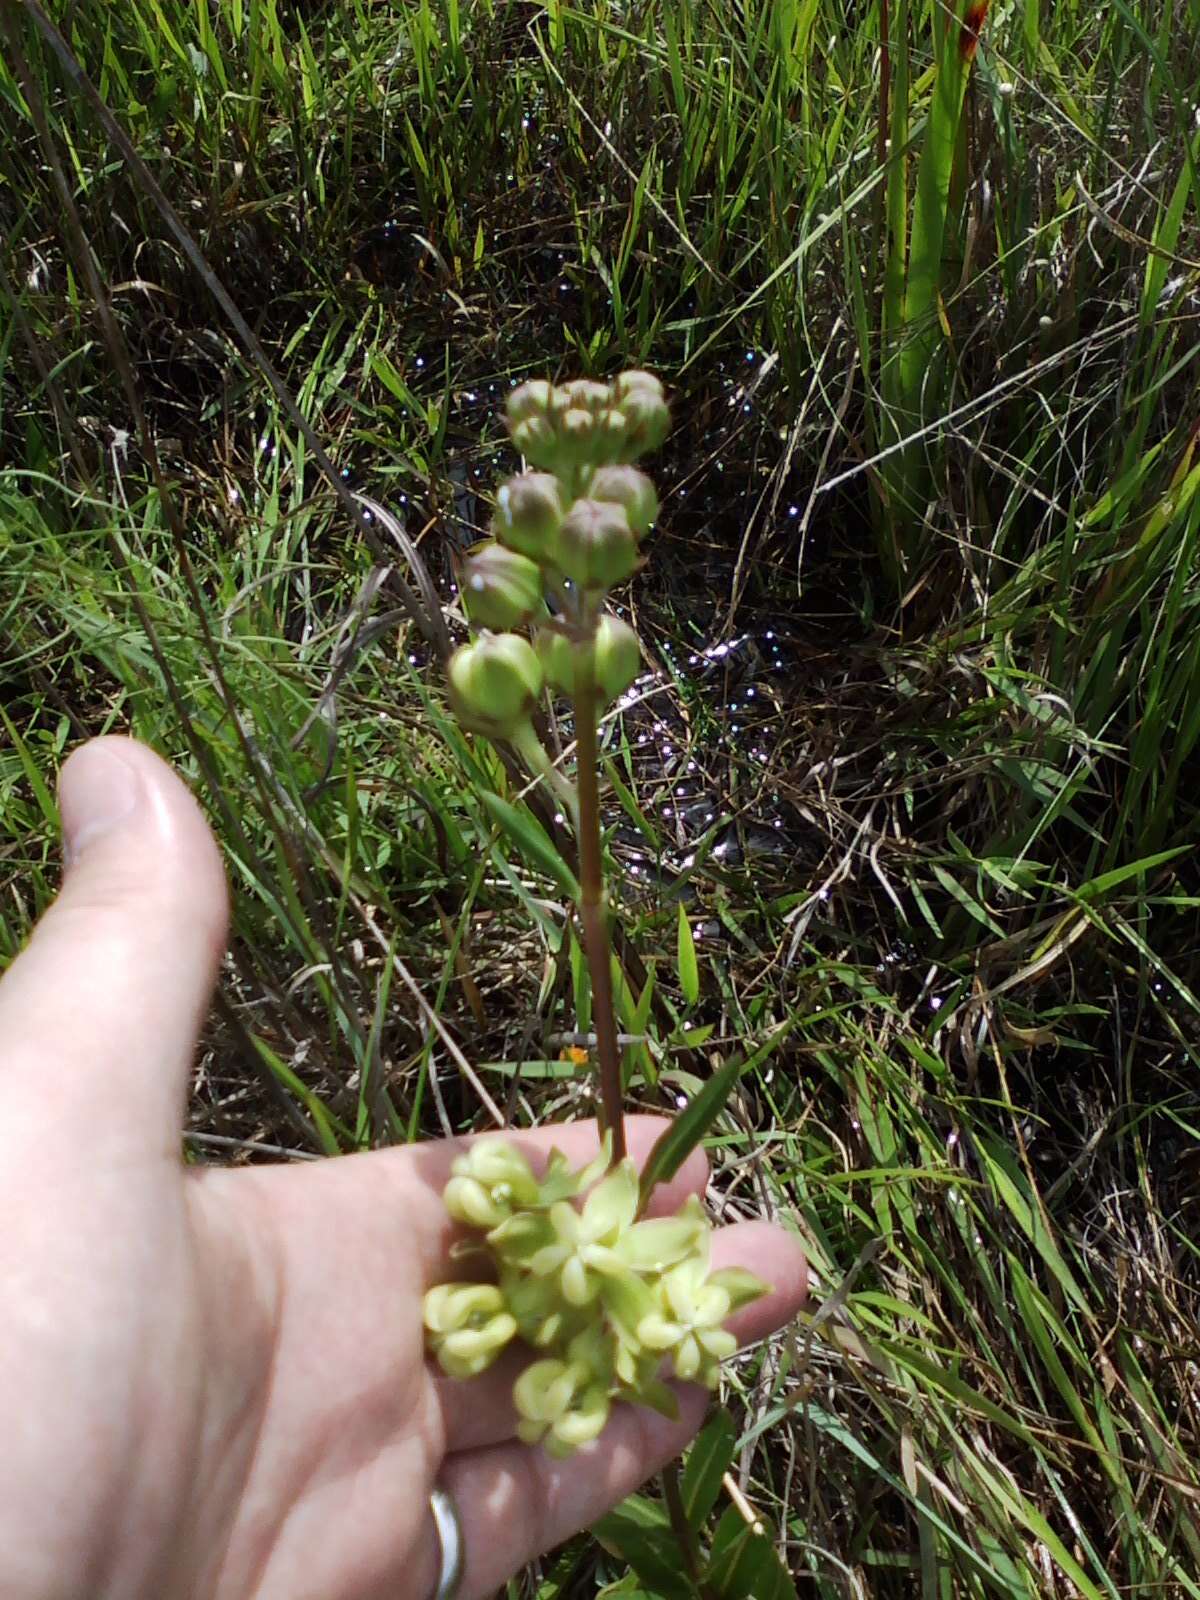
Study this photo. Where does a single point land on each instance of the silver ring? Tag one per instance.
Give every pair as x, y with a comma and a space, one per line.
450, 1539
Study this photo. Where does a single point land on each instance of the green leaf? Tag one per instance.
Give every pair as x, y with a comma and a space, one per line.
1098, 887
639, 1533
673, 1147
744, 1565
689, 972
967, 901
327, 1126
707, 1463
532, 841
33, 775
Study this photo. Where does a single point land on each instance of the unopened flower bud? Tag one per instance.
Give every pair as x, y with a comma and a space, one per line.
618, 657
468, 1200
584, 1422
586, 395
635, 379
557, 655
646, 422
595, 546
472, 1351
494, 683
469, 1325
576, 433
609, 439
529, 513
544, 1390
451, 1306
494, 1161
559, 1403
589, 437
531, 399
627, 487
537, 440
500, 588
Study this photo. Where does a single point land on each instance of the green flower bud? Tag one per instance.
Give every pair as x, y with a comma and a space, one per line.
451, 1306
557, 655
494, 683
494, 1162
544, 1390
560, 1404
647, 421
610, 436
590, 437
618, 657
585, 394
577, 436
529, 513
533, 399
627, 487
580, 1425
626, 383
537, 440
500, 588
471, 1351
467, 1200
595, 546
469, 1325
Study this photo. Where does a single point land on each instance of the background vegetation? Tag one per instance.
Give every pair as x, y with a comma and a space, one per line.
906, 805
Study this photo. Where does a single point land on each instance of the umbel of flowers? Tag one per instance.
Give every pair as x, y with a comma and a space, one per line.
608, 1303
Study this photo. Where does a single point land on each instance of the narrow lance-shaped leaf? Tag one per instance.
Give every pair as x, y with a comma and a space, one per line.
674, 1146
531, 840
689, 972
707, 1463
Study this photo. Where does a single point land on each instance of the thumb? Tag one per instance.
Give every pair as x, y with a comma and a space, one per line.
99, 1014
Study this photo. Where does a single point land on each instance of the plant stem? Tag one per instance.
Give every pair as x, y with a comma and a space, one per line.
591, 903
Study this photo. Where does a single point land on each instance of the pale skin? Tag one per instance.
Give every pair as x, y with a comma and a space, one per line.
212, 1383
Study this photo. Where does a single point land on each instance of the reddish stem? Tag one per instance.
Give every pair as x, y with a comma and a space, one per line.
591, 902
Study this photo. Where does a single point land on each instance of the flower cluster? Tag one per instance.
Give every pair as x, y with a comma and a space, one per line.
568, 528
607, 1301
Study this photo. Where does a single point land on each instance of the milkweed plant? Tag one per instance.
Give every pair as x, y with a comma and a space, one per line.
610, 1301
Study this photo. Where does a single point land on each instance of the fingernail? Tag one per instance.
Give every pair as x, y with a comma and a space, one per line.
97, 791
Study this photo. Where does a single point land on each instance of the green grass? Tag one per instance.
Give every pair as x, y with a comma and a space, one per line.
960, 476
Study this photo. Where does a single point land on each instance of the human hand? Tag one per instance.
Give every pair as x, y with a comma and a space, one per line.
213, 1383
